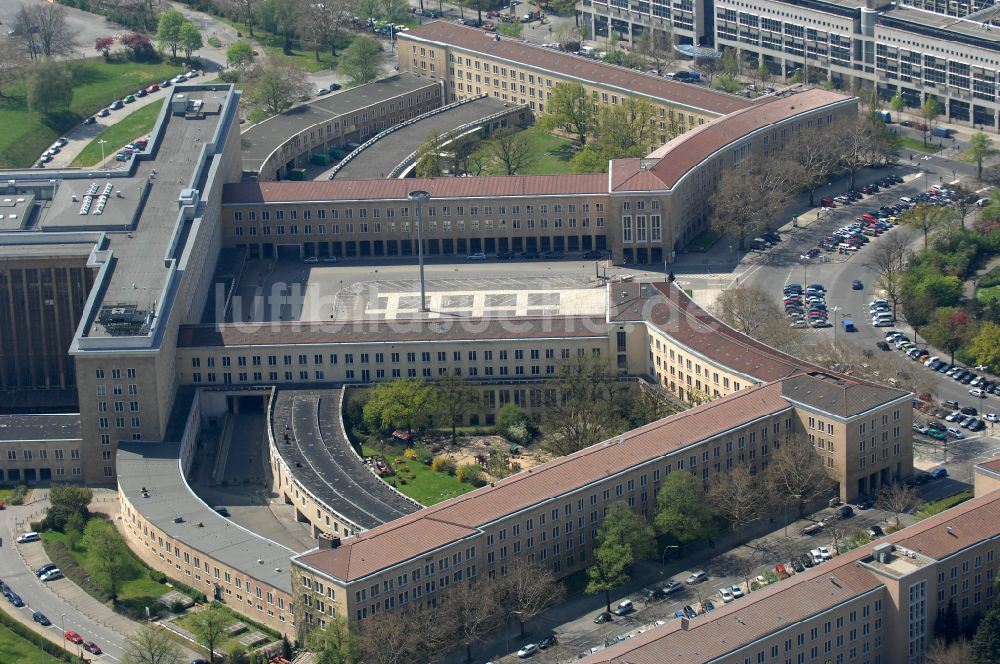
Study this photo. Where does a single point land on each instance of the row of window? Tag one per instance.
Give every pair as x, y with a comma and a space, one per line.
429, 212
43, 455
363, 228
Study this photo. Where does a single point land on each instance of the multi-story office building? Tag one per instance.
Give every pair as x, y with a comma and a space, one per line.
948, 50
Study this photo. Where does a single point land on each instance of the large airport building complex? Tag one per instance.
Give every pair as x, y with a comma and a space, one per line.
947, 49
138, 317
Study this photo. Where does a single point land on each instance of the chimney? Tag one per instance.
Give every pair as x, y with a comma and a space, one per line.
685, 623
328, 541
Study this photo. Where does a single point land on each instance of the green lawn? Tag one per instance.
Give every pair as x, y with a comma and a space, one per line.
274, 46
917, 144
20, 650
555, 153
27, 134
227, 644
938, 506
138, 591
427, 487
988, 293
704, 241
131, 127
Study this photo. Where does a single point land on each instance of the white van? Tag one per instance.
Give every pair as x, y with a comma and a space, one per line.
28, 537
587, 51
624, 606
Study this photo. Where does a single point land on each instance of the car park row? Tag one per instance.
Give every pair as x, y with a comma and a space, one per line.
805, 308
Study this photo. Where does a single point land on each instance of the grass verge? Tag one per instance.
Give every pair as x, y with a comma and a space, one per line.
938, 506
118, 135
987, 294
25, 647
230, 643
426, 486
273, 45
141, 587
917, 145
26, 134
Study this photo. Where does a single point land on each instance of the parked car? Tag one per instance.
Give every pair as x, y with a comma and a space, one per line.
875, 531
824, 552
92, 648
845, 512
673, 587
696, 577
41, 619
528, 650
689, 612
938, 473
73, 637
603, 618
727, 595
48, 567
51, 575
28, 537
624, 606
736, 590
476, 256
547, 642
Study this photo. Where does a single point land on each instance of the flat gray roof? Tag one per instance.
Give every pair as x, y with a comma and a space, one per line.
377, 160
320, 456
14, 211
962, 30
263, 138
34, 428
155, 468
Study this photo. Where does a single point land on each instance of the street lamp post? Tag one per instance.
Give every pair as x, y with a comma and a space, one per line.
102, 142
419, 197
506, 631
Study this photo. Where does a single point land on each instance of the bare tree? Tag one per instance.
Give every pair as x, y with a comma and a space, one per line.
321, 23
527, 590
430, 634
889, 259
244, 8
657, 47
854, 138
473, 610
275, 86
388, 638
750, 195
150, 645
454, 398
837, 531
797, 473
509, 150
739, 496
897, 498
746, 309
43, 29
942, 652
815, 155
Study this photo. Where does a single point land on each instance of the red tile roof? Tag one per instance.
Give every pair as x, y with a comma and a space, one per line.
629, 81
442, 524
246, 193
991, 465
678, 156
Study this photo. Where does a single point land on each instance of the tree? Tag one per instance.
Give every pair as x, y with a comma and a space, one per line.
336, 642
528, 590
750, 195
940, 652
50, 87
150, 645
630, 528
854, 139
926, 218
321, 23
763, 73
571, 110
65, 500
209, 626
815, 155
929, 112
276, 85
428, 162
462, 150
985, 345
609, 570
190, 39
514, 29
889, 260
682, 513
797, 473
245, 10
110, 555
897, 498
362, 60
746, 309
385, 638
948, 329
946, 626
138, 46
168, 30
282, 18
579, 405
897, 103
511, 417
473, 610
657, 47
454, 397
403, 403
509, 151
627, 129
980, 149
739, 496
986, 642
394, 10
43, 30
240, 55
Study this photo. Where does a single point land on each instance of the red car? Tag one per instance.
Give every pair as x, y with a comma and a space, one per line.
73, 637
92, 648
780, 570
155, 87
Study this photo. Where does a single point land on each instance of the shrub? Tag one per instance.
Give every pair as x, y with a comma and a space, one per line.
159, 577
410, 453
177, 607
518, 433
401, 481
754, 586
443, 464
470, 473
